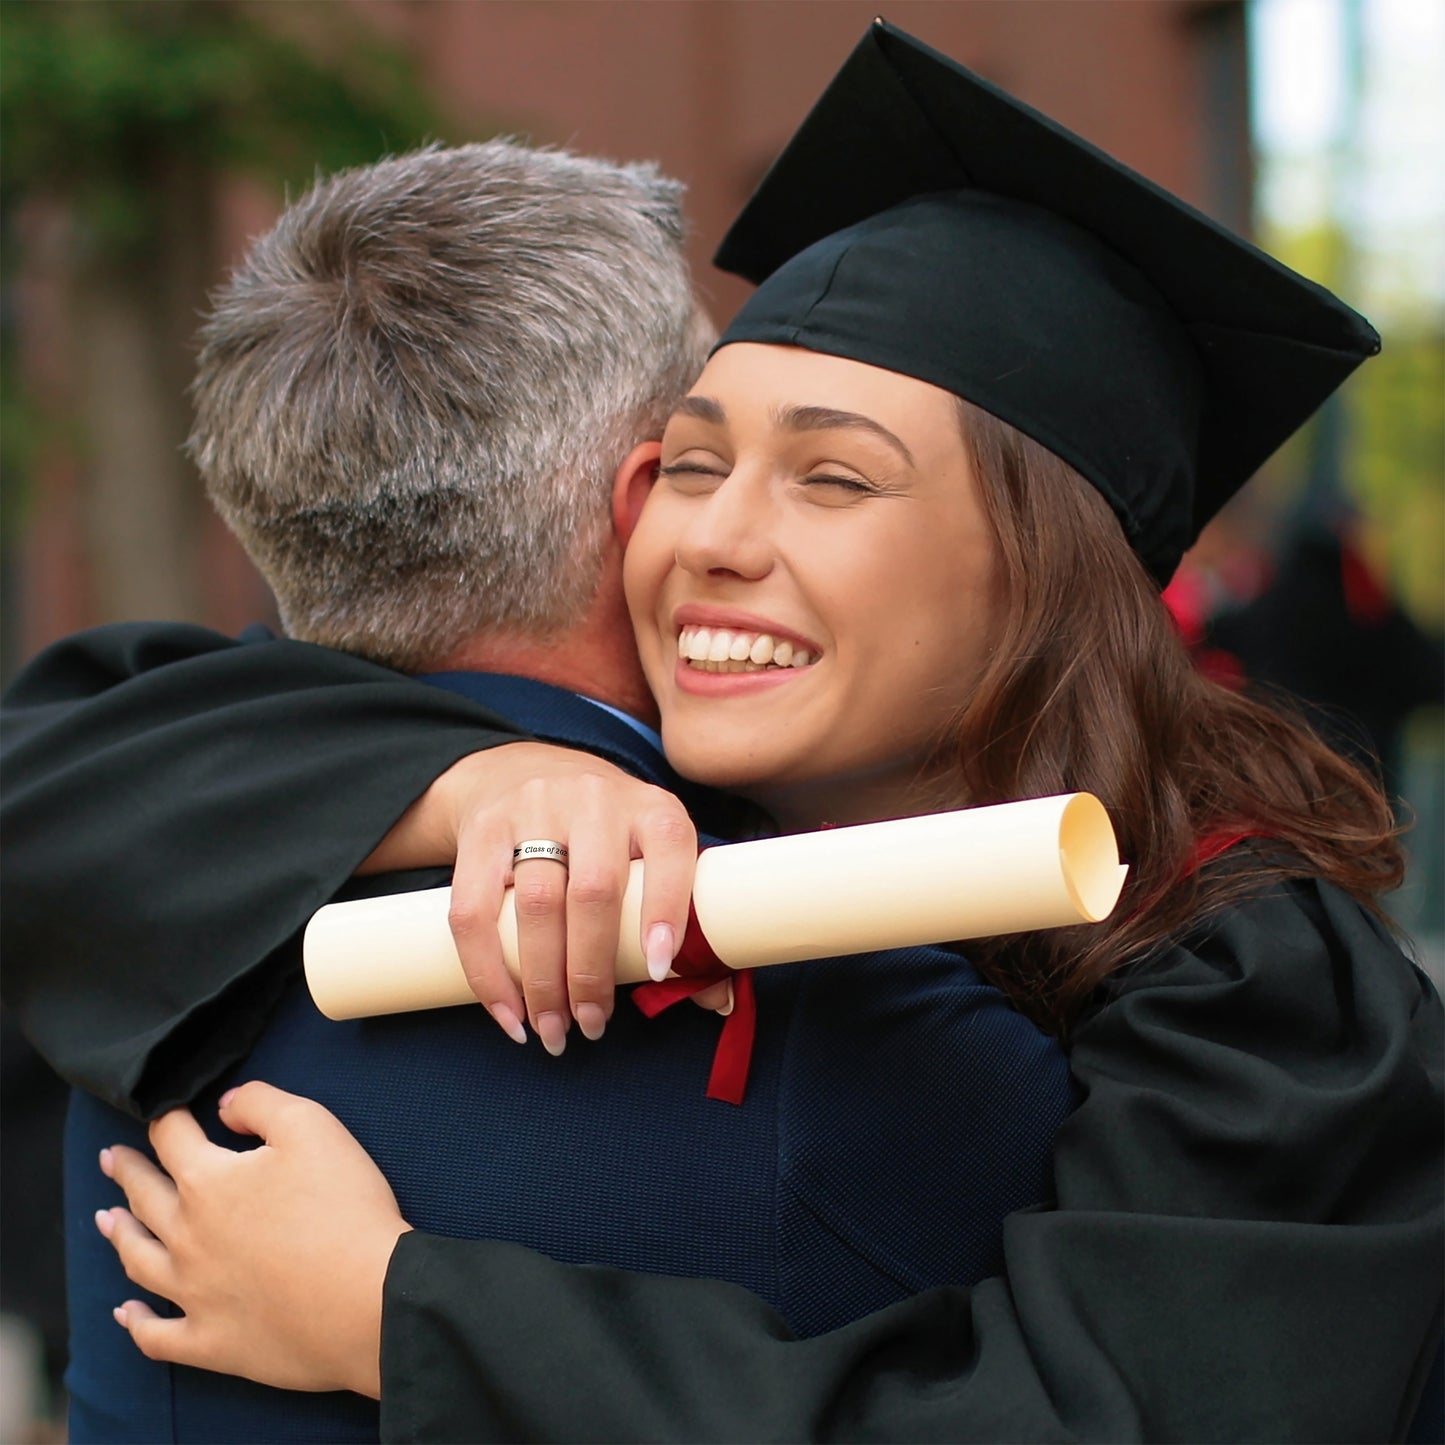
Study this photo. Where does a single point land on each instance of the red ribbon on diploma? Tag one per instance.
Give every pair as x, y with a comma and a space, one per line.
697, 967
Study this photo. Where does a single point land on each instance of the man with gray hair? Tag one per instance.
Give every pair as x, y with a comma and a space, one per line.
414, 394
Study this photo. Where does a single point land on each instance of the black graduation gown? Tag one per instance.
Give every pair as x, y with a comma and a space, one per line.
1248, 1239
154, 756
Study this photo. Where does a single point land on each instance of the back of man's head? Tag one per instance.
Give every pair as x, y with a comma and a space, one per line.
413, 394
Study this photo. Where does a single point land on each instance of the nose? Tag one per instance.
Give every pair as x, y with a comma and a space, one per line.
729, 533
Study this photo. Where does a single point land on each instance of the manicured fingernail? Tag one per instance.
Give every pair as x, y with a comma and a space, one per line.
591, 1020
660, 950
727, 1008
511, 1025
120, 1317
552, 1030
226, 1098
107, 1162
104, 1222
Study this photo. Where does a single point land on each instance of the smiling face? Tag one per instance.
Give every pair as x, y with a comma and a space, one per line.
810, 582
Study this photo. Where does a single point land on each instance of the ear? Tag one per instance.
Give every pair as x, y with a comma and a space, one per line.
631, 484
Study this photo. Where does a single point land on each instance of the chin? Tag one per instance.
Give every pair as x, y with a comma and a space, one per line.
711, 772
712, 766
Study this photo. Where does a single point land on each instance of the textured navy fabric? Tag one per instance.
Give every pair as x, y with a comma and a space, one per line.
897, 1109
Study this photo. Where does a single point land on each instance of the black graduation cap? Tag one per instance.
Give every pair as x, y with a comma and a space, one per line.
923, 221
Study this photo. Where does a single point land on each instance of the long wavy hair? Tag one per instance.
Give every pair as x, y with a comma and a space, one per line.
1088, 687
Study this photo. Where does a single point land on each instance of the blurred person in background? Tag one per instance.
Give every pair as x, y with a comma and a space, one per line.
1327, 629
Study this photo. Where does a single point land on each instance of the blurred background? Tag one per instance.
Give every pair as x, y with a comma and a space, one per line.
146, 141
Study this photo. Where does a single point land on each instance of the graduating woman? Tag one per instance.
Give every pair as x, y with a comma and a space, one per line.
926, 491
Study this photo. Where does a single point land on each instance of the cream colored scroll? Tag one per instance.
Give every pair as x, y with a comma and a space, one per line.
973, 873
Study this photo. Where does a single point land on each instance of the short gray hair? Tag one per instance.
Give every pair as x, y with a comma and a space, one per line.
412, 395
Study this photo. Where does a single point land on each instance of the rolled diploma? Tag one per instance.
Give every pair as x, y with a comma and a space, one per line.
1044, 863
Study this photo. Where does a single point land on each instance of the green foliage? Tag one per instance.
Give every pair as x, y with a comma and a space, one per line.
100, 96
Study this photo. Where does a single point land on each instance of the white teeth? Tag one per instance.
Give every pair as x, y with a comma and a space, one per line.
723, 650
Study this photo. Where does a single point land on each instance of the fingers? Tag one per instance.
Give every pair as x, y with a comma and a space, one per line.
271, 1114
597, 876
667, 843
157, 1338
179, 1141
149, 1193
568, 916
484, 868
145, 1259
540, 894
568, 927
718, 997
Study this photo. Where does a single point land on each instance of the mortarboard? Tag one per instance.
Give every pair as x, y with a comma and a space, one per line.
923, 221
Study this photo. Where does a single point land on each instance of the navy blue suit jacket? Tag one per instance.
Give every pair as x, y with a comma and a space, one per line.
898, 1109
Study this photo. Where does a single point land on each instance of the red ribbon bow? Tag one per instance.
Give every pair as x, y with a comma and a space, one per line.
697, 966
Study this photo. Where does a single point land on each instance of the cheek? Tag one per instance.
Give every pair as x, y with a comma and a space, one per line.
922, 674
933, 626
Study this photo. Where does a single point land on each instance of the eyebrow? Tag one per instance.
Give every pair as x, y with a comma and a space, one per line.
826, 418
799, 418
704, 408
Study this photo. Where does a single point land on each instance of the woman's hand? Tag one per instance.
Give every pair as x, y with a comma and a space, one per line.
568, 916
277, 1256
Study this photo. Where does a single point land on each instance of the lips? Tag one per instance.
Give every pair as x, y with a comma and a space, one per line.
731, 649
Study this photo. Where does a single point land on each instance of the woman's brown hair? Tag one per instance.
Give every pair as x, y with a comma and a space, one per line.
1088, 687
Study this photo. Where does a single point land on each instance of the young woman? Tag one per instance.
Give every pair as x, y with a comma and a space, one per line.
902, 551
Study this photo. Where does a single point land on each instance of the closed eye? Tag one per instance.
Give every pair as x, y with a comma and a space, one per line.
694, 478
696, 469
836, 489
851, 484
